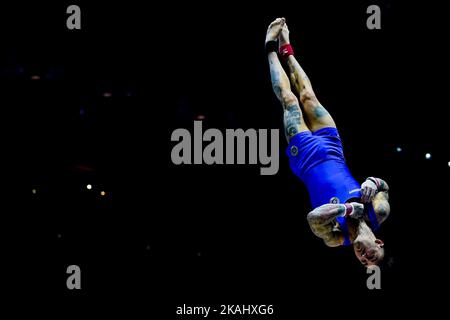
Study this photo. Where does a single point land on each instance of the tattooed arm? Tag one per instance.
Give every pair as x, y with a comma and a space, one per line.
322, 221
381, 200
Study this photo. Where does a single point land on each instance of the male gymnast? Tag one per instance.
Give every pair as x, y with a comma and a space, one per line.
344, 212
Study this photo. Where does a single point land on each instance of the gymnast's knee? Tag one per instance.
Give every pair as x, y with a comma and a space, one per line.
308, 99
288, 98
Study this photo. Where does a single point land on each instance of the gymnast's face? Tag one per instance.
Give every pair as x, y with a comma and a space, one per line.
369, 252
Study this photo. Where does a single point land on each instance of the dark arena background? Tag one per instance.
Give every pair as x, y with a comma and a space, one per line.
88, 117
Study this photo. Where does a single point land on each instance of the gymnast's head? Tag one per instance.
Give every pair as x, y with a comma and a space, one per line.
368, 249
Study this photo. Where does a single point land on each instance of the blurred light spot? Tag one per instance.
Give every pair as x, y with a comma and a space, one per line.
82, 111
428, 156
107, 94
89, 187
102, 193
59, 236
399, 149
34, 190
201, 117
449, 164
35, 77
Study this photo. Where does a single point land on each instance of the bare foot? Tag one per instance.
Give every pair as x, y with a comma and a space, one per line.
283, 37
274, 29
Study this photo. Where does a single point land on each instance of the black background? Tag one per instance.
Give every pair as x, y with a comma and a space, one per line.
166, 235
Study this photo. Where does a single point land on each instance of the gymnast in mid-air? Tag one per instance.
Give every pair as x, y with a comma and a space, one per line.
344, 212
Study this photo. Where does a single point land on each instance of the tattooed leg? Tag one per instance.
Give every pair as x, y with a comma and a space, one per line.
317, 116
293, 118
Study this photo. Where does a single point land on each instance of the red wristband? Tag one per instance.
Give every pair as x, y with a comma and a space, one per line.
286, 51
348, 209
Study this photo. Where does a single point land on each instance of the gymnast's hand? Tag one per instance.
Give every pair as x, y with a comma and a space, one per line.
358, 210
368, 191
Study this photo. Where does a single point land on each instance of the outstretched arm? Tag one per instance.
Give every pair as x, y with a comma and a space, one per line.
321, 220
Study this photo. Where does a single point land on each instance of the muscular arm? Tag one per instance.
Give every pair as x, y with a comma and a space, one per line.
381, 201
321, 220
